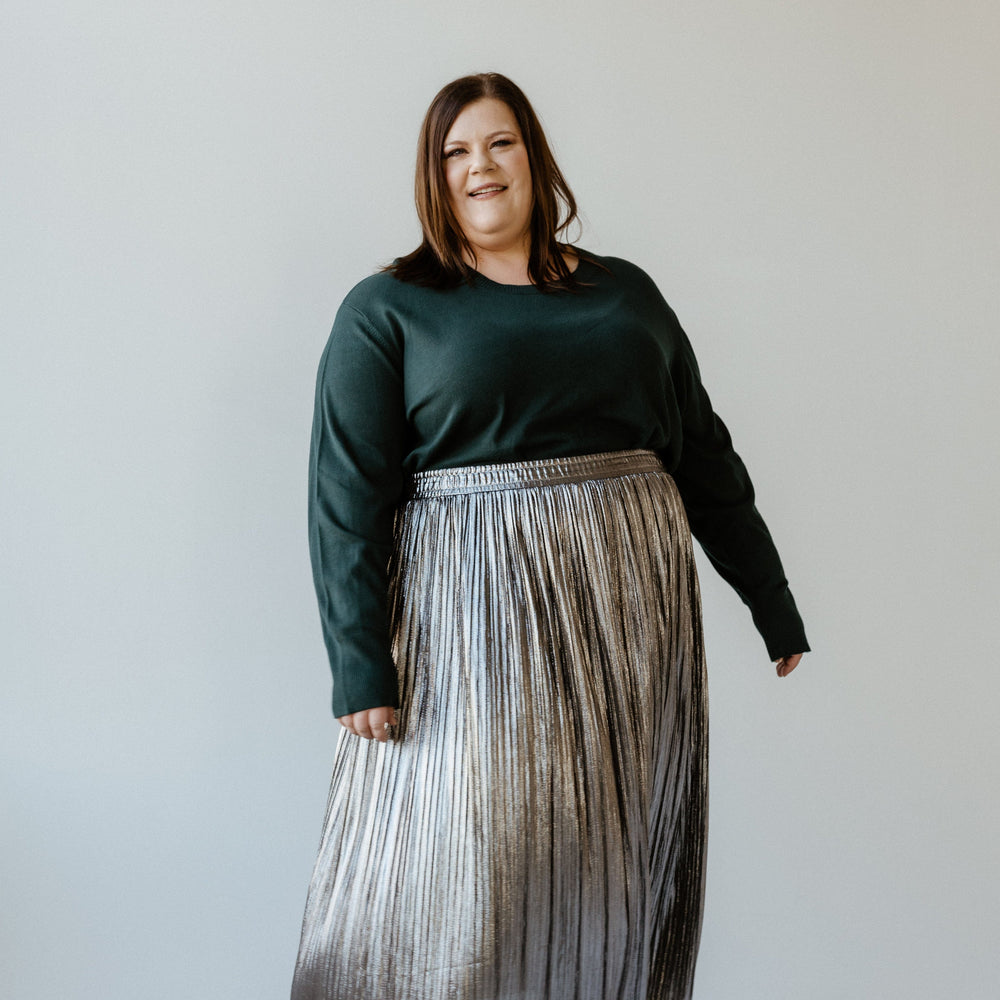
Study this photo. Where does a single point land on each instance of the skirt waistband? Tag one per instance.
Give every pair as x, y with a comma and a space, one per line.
535, 472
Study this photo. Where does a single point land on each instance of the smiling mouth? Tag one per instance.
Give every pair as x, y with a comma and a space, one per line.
486, 191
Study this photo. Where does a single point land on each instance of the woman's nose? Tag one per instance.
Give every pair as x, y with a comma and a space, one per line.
482, 160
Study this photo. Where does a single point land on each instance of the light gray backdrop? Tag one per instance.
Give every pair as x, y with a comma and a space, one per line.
188, 190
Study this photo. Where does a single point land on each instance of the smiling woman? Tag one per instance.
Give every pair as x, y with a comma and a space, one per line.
489, 181
511, 447
455, 143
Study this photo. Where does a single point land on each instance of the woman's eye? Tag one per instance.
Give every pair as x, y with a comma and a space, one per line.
458, 150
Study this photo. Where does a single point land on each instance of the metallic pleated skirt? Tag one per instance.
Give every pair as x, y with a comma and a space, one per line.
537, 827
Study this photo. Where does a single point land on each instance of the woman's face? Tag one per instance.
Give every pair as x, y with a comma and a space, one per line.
489, 177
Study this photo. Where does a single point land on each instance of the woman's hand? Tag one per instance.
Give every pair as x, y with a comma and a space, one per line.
370, 722
787, 664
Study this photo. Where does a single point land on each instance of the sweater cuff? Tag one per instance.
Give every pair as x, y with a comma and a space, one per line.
358, 685
780, 626
787, 646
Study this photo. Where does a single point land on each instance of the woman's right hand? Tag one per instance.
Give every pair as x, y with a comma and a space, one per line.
370, 722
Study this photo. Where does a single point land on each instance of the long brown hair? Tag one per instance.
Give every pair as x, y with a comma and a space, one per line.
440, 260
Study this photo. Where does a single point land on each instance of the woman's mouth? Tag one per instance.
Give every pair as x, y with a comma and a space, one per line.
487, 190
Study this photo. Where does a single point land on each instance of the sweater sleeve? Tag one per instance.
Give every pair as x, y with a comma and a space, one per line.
355, 483
719, 499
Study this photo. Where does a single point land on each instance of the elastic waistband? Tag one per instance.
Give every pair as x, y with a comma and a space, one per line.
537, 472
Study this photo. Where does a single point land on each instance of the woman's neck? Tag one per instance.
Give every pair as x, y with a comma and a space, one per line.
510, 267
506, 267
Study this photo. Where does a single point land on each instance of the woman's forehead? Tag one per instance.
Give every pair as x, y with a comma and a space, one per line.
482, 117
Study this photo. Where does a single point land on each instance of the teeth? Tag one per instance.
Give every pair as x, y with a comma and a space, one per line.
489, 190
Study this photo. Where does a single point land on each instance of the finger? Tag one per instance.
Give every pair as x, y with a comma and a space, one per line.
362, 726
377, 718
787, 664
345, 721
383, 721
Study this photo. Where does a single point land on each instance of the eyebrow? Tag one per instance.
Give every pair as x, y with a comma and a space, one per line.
492, 135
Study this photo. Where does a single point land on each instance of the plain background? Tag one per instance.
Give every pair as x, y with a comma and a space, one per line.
188, 191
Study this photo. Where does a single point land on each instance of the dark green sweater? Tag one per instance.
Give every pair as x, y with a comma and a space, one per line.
414, 378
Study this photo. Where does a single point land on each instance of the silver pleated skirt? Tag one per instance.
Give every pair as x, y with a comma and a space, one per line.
537, 827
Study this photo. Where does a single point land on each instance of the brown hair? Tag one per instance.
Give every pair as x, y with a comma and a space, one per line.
440, 260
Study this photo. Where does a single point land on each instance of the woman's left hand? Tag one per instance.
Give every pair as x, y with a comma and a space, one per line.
787, 664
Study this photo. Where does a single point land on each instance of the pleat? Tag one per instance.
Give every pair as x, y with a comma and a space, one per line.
537, 827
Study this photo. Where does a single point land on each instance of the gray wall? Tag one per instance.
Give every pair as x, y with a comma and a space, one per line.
187, 193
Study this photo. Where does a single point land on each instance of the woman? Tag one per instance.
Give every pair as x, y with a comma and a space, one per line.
510, 439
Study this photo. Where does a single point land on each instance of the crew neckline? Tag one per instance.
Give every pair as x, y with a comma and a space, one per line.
484, 282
